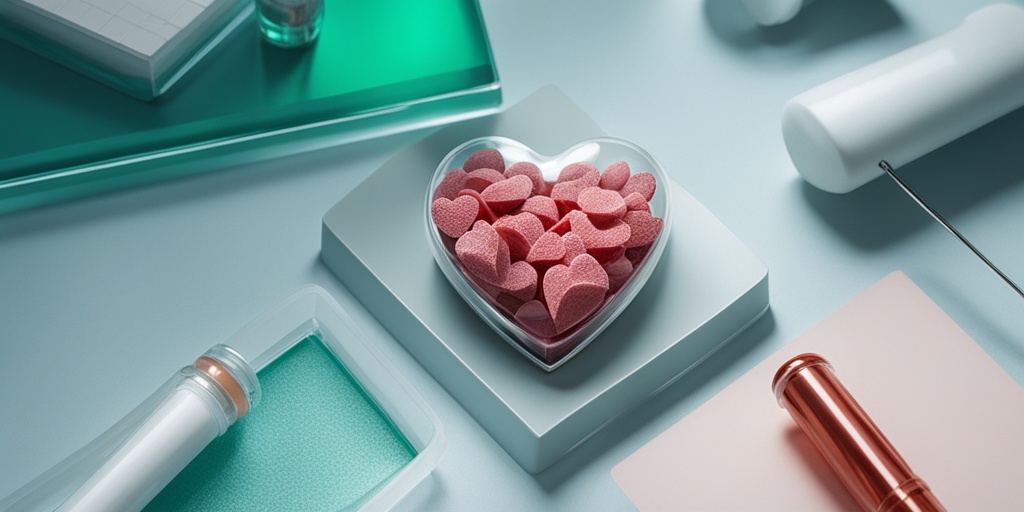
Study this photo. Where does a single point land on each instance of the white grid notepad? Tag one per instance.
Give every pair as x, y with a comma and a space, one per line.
144, 26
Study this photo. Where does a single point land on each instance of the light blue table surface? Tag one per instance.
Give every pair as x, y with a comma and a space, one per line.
102, 299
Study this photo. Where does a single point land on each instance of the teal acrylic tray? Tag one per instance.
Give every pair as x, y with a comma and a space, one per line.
316, 441
377, 67
337, 427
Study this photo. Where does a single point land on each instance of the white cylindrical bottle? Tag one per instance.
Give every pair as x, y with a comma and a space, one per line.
204, 400
904, 106
772, 12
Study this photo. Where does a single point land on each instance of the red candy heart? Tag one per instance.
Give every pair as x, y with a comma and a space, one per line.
572, 293
484, 253
503, 196
635, 201
521, 281
600, 204
451, 184
530, 170
615, 176
573, 247
580, 171
643, 228
485, 159
519, 232
544, 208
637, 254
599, 236
642, 183
563, 226
480, 179
548, 250
454, 218
571, 181
534, 316
485, 211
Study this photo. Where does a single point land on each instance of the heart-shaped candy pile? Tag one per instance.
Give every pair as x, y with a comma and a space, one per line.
546, 252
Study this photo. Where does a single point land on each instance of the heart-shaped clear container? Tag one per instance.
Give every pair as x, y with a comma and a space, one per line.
550, 353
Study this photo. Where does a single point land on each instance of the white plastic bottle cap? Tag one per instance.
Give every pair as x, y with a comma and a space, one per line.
772, 12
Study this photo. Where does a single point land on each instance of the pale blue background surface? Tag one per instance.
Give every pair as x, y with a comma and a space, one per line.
103, 298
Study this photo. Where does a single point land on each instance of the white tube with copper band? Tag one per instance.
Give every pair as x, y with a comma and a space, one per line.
204, 400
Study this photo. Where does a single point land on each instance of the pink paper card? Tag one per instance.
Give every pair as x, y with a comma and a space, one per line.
953, 414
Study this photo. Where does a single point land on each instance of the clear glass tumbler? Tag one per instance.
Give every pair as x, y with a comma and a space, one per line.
290, 23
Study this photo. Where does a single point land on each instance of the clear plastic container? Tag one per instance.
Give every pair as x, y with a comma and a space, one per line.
313, 312
310, 313
551, 352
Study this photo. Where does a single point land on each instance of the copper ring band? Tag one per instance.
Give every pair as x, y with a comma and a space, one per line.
216, 371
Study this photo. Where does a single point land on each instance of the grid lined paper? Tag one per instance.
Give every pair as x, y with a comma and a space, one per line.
141, 25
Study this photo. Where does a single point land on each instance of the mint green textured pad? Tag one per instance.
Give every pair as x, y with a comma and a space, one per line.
316, 441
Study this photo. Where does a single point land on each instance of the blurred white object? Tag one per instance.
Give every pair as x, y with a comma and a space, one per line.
772, 12
906, 105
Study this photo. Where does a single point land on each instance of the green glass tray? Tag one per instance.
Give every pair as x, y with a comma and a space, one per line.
377, 67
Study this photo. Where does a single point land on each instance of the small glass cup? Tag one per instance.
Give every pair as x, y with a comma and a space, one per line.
290, 23
550, 353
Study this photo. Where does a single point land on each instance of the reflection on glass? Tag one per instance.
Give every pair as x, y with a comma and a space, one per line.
290, 23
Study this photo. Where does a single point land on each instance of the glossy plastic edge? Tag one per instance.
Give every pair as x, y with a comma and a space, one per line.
58, 46
66, 183
312, 310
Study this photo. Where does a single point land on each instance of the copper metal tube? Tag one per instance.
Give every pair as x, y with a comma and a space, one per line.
859, 454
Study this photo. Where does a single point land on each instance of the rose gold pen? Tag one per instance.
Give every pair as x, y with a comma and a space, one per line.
859, 454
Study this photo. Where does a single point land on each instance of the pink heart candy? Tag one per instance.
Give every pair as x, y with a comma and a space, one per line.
566, 195
530, 170
485, 159
600, 204
484, 253
635, 201
615, 176
606, 255
480, 179
573, 247
642, 183
534, 316
637, 254
548, 250
563, 225
521, 281
454, 218
643, 228
451, 184
600, 236
585, 171
544, 208
571, 181
503, 196
485, 211
572, 293
519, 232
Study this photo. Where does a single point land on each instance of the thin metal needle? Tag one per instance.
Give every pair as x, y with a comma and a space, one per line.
949, 227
